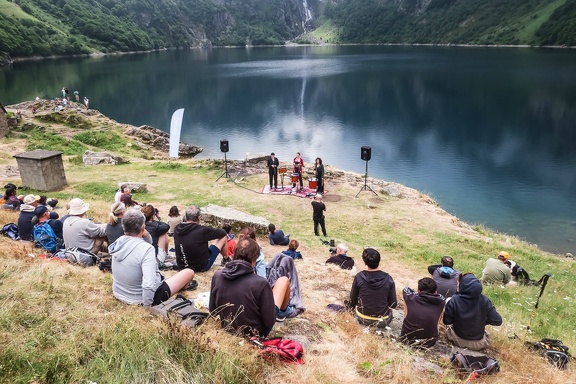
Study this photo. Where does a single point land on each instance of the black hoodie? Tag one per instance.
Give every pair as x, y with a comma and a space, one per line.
374, 292
469, 310
191, 243
242, 299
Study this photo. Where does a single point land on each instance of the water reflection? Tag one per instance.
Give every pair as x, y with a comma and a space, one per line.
488, 132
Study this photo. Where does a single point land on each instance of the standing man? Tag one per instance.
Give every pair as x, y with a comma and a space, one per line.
273, 170
318, 208
298, 167
191, 238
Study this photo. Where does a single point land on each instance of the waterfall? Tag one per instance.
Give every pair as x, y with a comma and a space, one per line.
307, 14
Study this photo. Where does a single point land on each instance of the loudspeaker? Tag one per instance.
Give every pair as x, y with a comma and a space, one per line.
224, 145
366, 153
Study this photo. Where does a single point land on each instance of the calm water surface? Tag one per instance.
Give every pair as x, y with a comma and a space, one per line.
489, 133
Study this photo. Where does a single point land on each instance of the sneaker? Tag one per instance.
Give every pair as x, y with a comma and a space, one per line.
225, 260
192, 286
282, 315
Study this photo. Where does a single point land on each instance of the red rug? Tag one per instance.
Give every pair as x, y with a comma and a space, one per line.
288, 190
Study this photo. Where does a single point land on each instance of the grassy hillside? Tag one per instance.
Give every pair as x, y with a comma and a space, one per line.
60, 323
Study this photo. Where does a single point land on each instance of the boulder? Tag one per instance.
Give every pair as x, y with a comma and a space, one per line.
216, 216
134, 186
160, 140
97, 158
391, 190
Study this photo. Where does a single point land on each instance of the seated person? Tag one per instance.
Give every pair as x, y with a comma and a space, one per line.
276, 236
11, 201
135, 275
52, 242
231, 243
25, 225
373, 292
191, 242
244, 301
445, 276
283, 265
174, 219
341, 258
421, 314
292, 250
114, 227
126, 198
159, 232
467, 314
260, 268
43, 200
81, 232
496, 271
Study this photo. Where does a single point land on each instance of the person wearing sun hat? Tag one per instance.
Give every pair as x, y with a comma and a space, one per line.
496, 270
25, 226
81, 232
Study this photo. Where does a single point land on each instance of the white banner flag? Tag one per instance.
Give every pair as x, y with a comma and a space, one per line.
175, 127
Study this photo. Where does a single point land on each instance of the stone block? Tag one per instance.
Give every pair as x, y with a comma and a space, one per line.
216, 216
41, 169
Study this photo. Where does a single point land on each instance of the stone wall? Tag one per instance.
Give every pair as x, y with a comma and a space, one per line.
3, 125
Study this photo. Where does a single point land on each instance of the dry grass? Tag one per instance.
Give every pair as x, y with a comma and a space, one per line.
60, 323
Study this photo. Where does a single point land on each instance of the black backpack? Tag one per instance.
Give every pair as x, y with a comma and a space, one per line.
481, 365
11, 230
554, 351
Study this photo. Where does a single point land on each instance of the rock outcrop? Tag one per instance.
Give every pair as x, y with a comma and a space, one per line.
98, 158
150, 136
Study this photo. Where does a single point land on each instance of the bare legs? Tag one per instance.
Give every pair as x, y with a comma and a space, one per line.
180, 280
281, 292
222, 244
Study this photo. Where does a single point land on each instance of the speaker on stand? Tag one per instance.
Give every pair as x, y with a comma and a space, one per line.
224, 148
366, 155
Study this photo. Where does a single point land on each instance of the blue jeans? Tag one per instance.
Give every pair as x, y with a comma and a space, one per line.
214, 252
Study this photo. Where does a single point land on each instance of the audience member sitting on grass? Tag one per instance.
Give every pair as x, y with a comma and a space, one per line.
496, 271
244, 301
174, 219
283, 265
25, 225
159, 232
136, 278
421, 314
81, 232
445, 276
260, 268
114, 227
191, 242
231, 243
43, 200
276, 236
373, 292
292, 250
340, 258
119, 193
11, 201
467, 314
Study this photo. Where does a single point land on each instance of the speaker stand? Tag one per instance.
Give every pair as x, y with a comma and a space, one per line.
225, 173
366, 187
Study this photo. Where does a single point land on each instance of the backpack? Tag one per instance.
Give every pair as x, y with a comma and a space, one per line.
182, 308
554, 351
285, 350
11, 230
81, 257
479, 365
45, 237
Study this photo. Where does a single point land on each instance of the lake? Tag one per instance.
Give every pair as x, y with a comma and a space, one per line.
490, 133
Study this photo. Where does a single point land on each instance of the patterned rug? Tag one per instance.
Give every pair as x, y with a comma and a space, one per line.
288, 190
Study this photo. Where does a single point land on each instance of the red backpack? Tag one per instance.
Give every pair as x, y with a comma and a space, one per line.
285, 350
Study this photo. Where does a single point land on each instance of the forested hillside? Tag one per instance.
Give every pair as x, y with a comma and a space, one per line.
533, 22
62, 27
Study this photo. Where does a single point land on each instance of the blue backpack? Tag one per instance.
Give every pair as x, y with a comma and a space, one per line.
45, 237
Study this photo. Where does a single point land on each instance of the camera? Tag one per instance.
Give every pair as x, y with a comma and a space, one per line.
332, 250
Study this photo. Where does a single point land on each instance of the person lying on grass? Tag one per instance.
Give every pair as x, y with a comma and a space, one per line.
244, 301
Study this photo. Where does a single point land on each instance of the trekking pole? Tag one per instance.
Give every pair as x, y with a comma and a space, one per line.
543, 281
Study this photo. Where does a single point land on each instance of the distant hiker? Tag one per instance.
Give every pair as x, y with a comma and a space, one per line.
467, 314
86, 102
77, 96
244, 301
191, 242
445, 276
421, 314
136, 278
276, 236
81, 232
496, 271
373, 293
63, 92
318, 209
67, 93
341, 259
